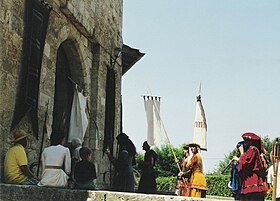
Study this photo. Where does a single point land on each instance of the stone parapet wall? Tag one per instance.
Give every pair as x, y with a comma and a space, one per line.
32, 193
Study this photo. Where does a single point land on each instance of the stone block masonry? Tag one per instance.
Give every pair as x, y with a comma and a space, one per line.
87, 31
31, 193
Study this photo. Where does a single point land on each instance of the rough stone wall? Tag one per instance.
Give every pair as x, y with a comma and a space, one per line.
89, 48
30, 193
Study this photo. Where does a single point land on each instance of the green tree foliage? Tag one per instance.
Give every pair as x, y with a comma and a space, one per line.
166, 165
218, 185
166, 184
267, 143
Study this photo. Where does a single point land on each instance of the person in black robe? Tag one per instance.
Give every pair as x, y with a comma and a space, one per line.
124, 177
147, 182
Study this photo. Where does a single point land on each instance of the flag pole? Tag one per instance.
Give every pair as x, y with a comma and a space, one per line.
199, 90
44, 131
276, 160
169, 142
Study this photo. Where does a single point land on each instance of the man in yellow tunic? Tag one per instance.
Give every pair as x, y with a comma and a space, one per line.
197, 183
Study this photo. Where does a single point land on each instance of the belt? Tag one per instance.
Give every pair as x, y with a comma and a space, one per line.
253, 185
52, 167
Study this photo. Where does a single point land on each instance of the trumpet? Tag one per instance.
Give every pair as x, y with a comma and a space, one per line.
235, 158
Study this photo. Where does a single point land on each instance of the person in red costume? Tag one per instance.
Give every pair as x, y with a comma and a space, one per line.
250, 169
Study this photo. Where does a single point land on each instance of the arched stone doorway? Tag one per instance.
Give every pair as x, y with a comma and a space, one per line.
68, 72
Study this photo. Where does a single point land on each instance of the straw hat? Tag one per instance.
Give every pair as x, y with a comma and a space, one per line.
194, 144
19, 135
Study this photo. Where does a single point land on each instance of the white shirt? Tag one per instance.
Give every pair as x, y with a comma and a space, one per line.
56, 166
270, 179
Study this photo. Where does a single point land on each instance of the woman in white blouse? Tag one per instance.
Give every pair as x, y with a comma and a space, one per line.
56, 163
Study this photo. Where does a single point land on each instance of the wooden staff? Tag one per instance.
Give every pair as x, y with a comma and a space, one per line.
43, 138
169, 143
228, 165
276, 160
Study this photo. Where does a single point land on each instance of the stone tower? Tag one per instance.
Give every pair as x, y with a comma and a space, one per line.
47, 50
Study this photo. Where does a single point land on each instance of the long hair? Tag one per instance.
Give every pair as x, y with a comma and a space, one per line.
125, 143
130, 147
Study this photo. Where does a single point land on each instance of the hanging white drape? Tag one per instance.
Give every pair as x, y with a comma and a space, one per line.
79, 119
200, 126
152, 108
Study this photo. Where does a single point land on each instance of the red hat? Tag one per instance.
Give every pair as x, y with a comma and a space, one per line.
250, 136
255, 137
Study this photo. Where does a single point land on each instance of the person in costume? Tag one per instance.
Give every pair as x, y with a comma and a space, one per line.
124, 177
56, 163
147, 182
270, 177
197, 183
235, 181
16, 170
181, 187
251, 170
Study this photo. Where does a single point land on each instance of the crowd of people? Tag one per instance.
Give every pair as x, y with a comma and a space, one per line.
251, 178
59, 166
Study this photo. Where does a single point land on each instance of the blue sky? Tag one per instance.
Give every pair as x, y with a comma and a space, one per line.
231, 46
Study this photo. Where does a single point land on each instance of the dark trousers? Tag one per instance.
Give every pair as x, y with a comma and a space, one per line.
252, 197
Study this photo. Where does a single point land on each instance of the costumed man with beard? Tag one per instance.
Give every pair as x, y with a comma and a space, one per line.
197, 184
251, 170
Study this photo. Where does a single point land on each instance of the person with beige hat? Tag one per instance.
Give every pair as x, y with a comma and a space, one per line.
16, 170
197, 186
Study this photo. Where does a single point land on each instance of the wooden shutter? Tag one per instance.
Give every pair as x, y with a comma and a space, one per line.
110, 109
35, 30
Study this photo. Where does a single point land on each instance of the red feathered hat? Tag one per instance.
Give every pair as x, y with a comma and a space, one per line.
255, 137
250, 136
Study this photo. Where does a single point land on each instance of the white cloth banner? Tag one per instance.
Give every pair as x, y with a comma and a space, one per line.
152, 108
78, 119
200, 126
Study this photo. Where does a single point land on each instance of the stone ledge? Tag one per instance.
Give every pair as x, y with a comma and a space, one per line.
10, 192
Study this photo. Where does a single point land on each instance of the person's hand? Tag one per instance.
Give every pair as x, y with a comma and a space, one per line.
241, 150
180, 174
176, 160
235, 158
